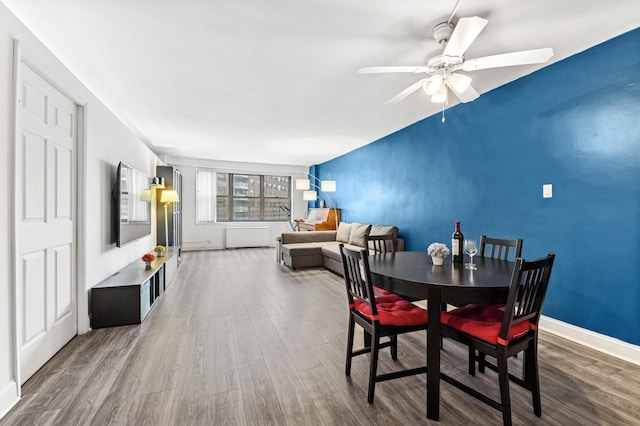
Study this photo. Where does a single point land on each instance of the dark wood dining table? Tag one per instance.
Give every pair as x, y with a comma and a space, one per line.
412, 274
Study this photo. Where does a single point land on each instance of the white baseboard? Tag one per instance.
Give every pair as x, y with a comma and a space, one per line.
8, 398
600, 342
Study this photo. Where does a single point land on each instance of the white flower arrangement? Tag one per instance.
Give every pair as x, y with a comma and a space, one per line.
438, 249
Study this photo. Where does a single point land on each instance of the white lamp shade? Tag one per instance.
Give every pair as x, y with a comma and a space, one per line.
440, 97
432, 85
169, 196
303, 184
328, 186
309, 195
459, 82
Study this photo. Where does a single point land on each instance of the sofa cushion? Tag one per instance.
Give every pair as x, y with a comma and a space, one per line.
333, 250
344, 231
302, 249
307, 237
358, 232
377, 230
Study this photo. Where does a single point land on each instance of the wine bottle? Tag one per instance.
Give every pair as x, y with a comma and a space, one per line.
457, 242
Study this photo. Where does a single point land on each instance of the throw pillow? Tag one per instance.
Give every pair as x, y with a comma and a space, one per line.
358, 232
344, 231
383, 230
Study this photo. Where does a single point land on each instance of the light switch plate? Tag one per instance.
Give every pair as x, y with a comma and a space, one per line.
547, 190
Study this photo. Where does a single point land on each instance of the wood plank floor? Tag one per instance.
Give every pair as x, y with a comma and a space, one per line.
240, 340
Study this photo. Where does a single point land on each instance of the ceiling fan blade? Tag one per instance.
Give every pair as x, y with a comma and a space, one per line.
464, 33
406, 92
380, 70
468, 95
535, 56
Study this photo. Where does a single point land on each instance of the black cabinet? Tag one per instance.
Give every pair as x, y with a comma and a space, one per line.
173, 230
128, 296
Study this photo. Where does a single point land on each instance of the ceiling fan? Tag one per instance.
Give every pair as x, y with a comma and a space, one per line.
442, 65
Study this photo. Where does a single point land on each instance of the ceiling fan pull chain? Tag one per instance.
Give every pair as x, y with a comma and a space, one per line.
444, 101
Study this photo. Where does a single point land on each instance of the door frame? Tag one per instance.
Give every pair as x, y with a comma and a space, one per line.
82, 319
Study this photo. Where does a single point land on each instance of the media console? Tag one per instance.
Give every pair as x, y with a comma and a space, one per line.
127, 296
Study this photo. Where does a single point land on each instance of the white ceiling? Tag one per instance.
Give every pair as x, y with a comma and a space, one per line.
276, 81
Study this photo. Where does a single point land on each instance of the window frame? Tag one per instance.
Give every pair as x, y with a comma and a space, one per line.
230, 197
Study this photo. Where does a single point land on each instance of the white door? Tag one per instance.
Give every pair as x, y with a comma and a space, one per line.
46, 206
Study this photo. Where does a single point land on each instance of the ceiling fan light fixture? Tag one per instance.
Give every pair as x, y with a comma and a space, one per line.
432, 85
459, 82
440, 97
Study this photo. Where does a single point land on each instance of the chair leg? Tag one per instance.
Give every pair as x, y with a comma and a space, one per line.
503, 377
531, 372
394, 347
481, 361
351, 330
375, 343
366, 337
472, 361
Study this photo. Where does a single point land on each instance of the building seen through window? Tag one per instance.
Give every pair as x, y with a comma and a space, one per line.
243, 197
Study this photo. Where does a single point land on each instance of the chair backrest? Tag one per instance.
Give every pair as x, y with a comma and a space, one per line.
527, 290
499, 247
357, 277
381, 243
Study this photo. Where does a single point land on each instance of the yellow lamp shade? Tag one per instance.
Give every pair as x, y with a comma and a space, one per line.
169, 196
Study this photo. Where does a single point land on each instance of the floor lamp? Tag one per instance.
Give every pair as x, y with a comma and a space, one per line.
309, 194
326, 186
167, 197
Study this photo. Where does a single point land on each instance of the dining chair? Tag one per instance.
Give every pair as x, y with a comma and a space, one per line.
498, 248
504, 333
495, 248
381, 243
379, 316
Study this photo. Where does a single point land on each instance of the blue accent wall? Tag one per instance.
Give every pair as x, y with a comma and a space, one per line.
574, 124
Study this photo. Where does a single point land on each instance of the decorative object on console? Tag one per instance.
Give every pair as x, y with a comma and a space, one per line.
147, 259
167, 197
159, 250
437, 251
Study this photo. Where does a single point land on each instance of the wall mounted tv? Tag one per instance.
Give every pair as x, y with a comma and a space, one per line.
132, 198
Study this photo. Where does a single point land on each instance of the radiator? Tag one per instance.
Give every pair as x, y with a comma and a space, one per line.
250, 236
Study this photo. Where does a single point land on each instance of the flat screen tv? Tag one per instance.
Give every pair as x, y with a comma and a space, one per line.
132, 197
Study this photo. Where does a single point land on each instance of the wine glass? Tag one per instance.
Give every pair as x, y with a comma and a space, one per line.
471, 248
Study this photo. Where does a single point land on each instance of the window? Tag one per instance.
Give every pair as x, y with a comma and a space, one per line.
242, 197
205, 196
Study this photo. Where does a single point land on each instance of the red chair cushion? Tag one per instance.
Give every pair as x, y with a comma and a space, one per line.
394, 310
483, 322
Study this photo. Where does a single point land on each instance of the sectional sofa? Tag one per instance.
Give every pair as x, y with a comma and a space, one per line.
321, 248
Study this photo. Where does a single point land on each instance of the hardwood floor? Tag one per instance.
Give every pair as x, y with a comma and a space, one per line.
240, 340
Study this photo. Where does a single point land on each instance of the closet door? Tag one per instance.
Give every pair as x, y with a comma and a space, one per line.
46, 210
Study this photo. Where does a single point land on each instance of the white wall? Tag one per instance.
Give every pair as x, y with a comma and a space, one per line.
106, 142
212, 235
